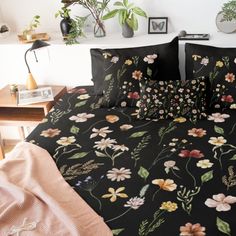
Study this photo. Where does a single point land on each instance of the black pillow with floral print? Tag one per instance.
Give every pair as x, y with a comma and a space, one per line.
122, 76
221, 71
173, 99
219, 64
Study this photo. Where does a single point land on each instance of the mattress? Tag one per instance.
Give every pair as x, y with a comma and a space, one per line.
145, 177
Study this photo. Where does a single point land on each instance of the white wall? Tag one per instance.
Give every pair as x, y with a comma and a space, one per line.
70, 65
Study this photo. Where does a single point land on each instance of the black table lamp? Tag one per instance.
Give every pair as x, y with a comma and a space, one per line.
30, 83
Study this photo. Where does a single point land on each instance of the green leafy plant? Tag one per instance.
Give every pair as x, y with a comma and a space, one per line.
127, 13
229, 11
76, 30
35, 22
64, 12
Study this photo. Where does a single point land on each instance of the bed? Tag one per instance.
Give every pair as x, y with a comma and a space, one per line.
142, 174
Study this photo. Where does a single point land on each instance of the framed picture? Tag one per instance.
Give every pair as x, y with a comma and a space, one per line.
157, 25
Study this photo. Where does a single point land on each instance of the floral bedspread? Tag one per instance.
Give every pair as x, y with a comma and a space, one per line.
161, 178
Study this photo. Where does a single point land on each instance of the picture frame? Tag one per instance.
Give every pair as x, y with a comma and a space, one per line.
157, 25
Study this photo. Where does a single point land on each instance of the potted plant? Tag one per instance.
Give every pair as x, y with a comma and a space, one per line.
65, 24
229, 11
29, 31
127, 16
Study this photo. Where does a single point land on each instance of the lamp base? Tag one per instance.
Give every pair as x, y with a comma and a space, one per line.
30, 82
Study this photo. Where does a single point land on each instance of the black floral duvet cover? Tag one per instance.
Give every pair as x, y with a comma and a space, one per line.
160, 178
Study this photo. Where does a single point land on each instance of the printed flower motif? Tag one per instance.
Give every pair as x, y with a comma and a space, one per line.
195, 57
233, 106
113, 194
83, 96
192, 230
169, 206
137, 74
194, 153
106, 55
197, 132
135, 202
218, 117
105, 143
219, 64
125, 127
227, 98
121, 147
169, 164
150, 58
50, 133
167, 185
65, 141
114, 59
81, 117
118, 174
220, 202
112, 118
100, 132
204, 61
217, 141
230, 77
128, 62
133, 95
204, 164
180, 120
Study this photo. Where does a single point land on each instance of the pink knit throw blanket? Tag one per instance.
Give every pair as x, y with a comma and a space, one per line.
36, 200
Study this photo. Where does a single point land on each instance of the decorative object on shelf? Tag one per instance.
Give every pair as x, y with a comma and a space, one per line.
184, 36
226, 18
127, 16
96, 9
71, 28
39, 36
31, 83
157, 25
4, 30
13, 88
29, 31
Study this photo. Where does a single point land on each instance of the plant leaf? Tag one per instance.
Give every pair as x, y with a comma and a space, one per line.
125, 2
149, 72
110, 14
120, 4
74, 129
143, 190
207, 176
219, 130
108, 77
100, 154
137, 134
117, 231
233, 158
80, 104
143, 172
223, 226
139, 11
78, 155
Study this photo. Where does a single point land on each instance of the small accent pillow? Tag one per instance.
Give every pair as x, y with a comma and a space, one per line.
168, 63
172, 99
122, 76
221, 72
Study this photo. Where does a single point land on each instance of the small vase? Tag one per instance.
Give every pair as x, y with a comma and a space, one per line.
99, 29
65, 26
127, 31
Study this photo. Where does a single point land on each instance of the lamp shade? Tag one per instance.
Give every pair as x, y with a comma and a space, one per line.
38, 44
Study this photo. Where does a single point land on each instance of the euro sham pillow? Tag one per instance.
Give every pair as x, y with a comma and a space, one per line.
168, 63
219, 64
173, 99
122, 76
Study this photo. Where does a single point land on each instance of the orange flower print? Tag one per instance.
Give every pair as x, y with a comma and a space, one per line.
192, 230
50, 133
197, 132
112, 118
113, 194
230, 77
137, 74
167, 185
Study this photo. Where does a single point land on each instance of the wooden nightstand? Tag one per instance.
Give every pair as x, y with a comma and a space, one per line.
12, 114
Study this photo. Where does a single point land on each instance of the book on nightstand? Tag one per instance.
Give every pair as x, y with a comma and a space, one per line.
26, 97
